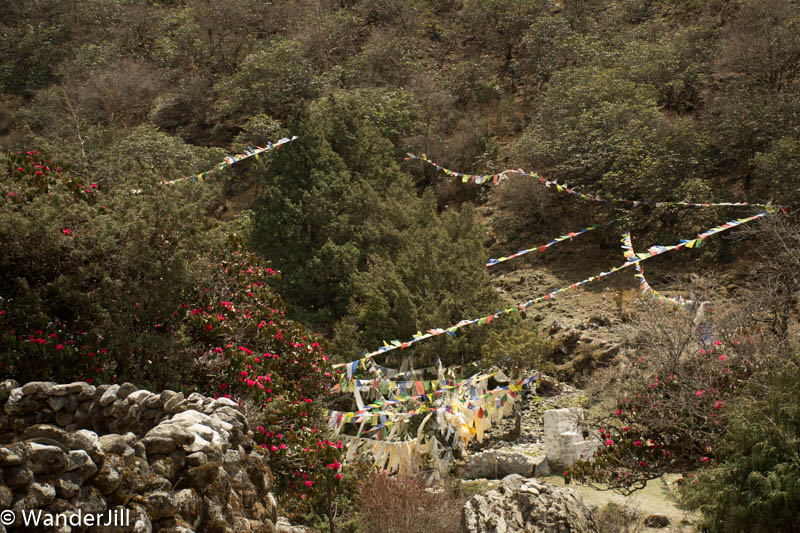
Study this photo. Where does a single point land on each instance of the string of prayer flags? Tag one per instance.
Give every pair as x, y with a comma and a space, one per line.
652, 252
228, 161
644, 286
474, 407
406, 393
497, 178
542, 248
465, 178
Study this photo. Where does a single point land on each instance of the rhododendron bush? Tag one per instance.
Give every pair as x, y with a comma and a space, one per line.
99, 268
251, 352
105, 286
673, 405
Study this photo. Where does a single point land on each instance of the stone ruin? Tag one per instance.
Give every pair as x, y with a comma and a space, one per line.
172, 463
565, 439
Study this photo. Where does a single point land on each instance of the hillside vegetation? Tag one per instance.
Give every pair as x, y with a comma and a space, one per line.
251, 281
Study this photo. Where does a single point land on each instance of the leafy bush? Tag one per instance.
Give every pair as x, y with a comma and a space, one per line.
515, 349
673, 407
753, 485
362, 253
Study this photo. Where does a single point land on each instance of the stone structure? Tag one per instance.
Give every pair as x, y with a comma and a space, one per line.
565, 440
174, 464
499, 463
520, 504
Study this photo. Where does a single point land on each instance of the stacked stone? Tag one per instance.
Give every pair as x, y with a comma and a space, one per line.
176, 464
499, 463
521, 504
566, 441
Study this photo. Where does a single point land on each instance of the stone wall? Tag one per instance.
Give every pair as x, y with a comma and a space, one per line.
564, 440
171, 463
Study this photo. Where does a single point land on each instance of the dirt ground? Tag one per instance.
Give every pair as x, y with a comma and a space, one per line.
656, 497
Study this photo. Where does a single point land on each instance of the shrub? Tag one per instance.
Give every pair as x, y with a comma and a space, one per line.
754, 484
388, 504
673, 406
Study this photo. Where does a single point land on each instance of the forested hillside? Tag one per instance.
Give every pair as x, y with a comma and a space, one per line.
323, 247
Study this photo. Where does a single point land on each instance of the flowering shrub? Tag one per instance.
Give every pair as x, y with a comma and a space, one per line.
53, 348
30, 174
670, 422
250, 351
100, 269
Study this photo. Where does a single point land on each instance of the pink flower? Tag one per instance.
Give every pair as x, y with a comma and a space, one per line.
309, 483
59, 346
722, 357
609, 442
637, 443
338, 476
704, 459
67, 231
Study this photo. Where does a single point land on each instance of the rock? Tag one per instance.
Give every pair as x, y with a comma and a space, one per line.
17, 477
109, 396
170, 404
64, 418
117, 444
656, 520
521, 504
81, 465
90, 501
56, 403
135, 478
6, 497
43, 493
6, 386
42, 389
174, 431
107, 478
196, 459
159, 445
202, 476
160, 504
67, 486
88, 441
189, 505
497, 464
46, 431
15, 405
46, 459
141, 522
125, 390
14, 455
168, 465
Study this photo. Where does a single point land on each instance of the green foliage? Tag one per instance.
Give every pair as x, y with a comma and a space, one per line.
86, 262
272, 80
355, 241
516, 348
499, 24
764, 43
777, 170
754, 483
